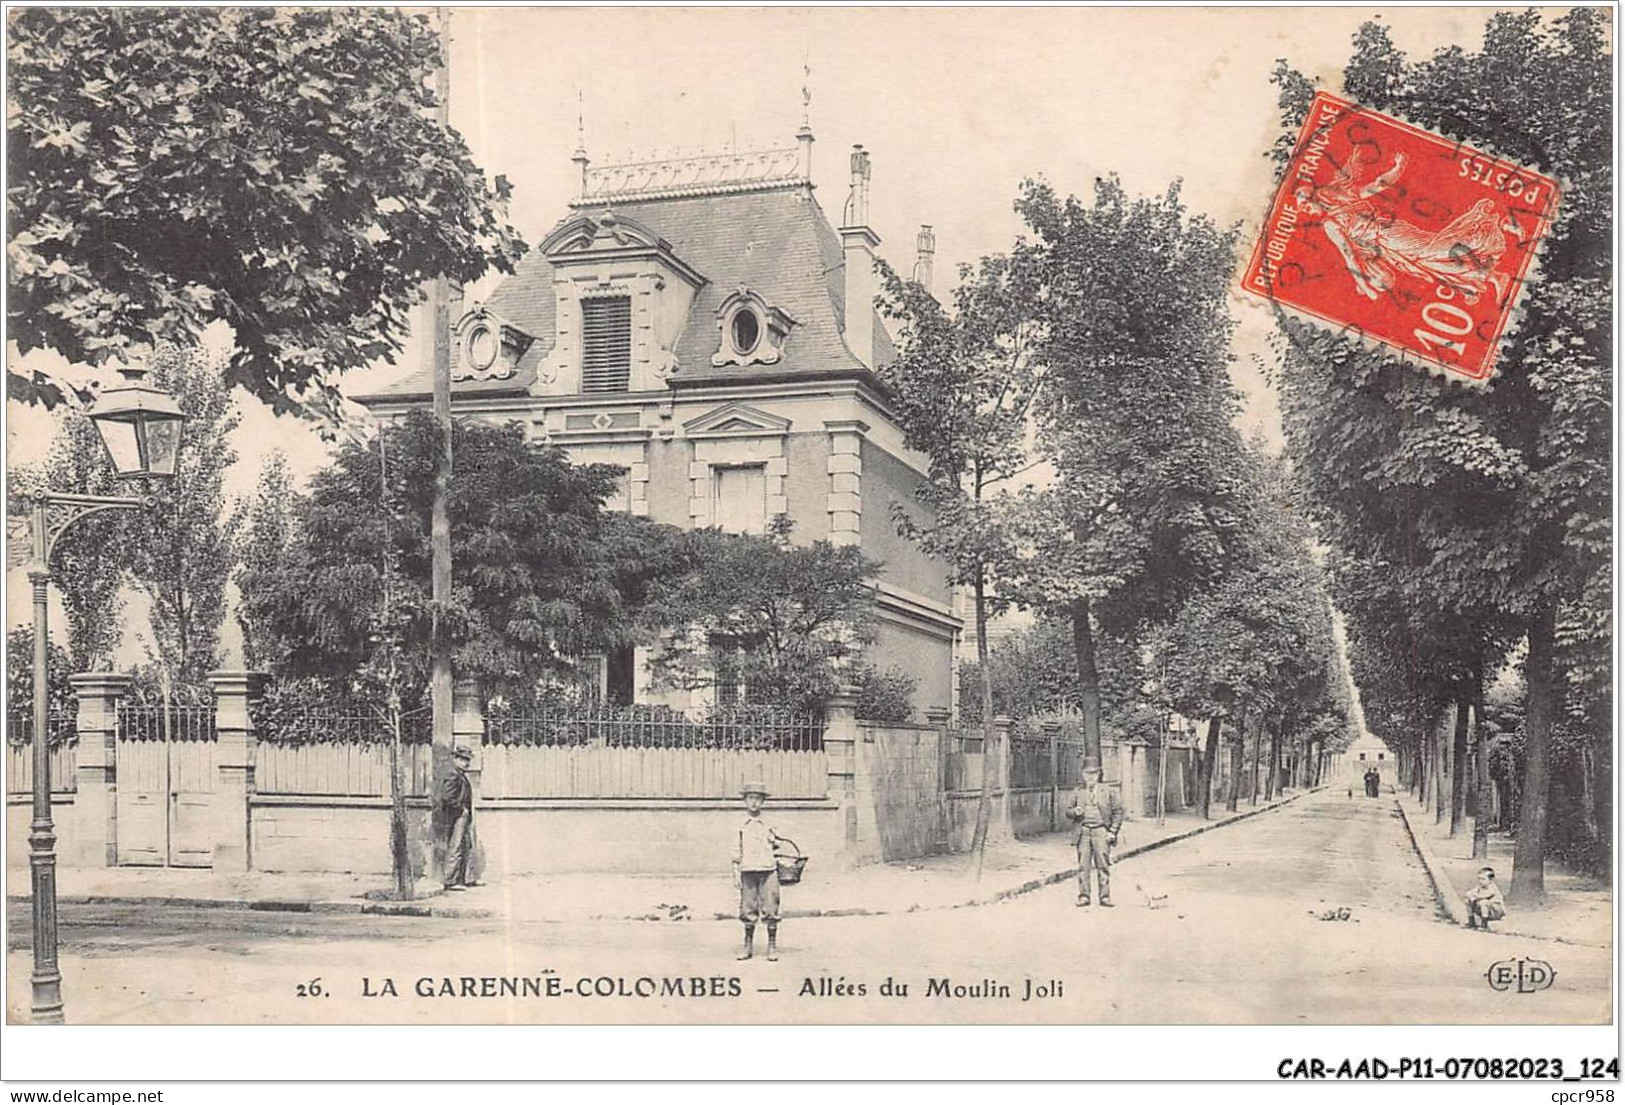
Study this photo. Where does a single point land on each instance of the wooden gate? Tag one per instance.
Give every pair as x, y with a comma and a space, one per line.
166, 771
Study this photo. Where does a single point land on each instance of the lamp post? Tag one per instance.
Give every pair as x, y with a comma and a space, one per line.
140, 427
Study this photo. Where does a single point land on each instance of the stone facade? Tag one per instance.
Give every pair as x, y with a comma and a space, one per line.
746, 362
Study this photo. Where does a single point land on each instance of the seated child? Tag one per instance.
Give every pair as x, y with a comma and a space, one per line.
1484, 901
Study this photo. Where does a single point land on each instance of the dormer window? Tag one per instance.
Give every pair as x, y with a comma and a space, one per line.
482, 348
746, 331
488, 347
753, 330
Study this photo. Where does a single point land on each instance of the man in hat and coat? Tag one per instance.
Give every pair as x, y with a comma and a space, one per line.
456, 812
1098, 812
756, 872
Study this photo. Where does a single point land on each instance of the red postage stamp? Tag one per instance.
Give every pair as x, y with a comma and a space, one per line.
1403, 237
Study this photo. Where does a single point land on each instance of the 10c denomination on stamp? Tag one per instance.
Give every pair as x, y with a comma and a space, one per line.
1402, 237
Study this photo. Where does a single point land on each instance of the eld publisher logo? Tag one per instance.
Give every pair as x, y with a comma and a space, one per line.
1524, 975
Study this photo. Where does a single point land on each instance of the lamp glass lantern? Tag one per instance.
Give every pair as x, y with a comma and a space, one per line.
141, 427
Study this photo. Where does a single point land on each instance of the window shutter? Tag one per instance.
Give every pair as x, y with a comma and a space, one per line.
606, 344
740, 504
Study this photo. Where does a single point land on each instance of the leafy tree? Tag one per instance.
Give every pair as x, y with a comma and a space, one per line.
537, 586
1492, 505
90, 562
886, 696
59, 697
963, 384
275, 168
1260, 641
182, 545
1136, 416
263, 541
785, 623
1035, 673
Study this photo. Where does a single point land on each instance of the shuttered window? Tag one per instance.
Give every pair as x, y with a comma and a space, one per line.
740, 503
606, 344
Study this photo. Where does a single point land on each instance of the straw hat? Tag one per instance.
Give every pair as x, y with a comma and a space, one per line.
753, 787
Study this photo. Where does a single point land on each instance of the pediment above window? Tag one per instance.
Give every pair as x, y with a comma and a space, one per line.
487, 346
736, 420
752, 331
604, 230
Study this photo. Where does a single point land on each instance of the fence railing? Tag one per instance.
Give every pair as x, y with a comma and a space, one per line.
1028, 760
571, 752
145, 721
64, 752
341, 752
603, 751
750, 728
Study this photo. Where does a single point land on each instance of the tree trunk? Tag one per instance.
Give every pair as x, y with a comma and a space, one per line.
1209, 763
1441, 774
1083, 643
1588, 799
439, 317
1602, 782
984, 800
1274, 778
400, 859
1529, 849
1258, 759
1238, 750
1458, 767
1485, 802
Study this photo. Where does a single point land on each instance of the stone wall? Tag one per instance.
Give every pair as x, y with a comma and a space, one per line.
20, 812
900, 778
653, 837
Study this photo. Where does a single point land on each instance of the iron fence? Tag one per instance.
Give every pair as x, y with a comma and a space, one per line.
340, 725
61, 725
745, 727
138, 721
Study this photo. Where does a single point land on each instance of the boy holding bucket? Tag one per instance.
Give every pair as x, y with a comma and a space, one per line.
756, 873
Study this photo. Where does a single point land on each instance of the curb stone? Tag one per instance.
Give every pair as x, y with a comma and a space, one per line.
1450, 904
1027, 887
1129, 853
426, 908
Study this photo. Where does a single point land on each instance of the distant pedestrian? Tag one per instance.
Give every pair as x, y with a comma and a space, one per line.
756, 873
456, 813
1098, 812
1484, 901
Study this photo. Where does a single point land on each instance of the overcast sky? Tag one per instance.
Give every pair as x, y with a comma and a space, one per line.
956, 107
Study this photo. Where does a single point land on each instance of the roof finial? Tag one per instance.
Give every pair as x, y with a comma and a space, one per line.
580, 156
804, 136
806, 90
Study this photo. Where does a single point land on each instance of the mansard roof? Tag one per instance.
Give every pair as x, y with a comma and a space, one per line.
772, 237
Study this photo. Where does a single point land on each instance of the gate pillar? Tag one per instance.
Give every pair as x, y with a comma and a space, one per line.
230, 809
94, 841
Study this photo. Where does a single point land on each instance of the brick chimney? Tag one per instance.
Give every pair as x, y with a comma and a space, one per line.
858, 244
925, 245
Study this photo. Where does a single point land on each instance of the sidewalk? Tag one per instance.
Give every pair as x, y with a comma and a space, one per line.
930, 883
1578, 910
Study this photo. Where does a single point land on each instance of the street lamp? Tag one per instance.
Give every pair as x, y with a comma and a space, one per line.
140, 427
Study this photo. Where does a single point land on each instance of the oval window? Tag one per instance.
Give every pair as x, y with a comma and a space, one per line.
746, 330
482, 348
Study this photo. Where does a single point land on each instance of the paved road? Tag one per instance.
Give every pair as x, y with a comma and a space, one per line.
1223, 928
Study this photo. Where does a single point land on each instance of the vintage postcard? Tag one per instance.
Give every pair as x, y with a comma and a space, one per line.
828, 516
